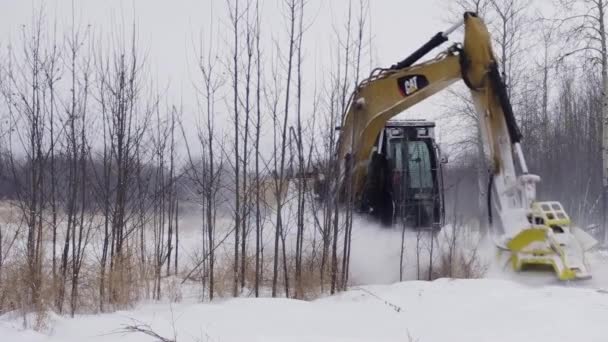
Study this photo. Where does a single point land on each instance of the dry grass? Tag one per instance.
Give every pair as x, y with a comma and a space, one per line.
309, 287
10, 212
459, 255
16, 295
461, 265
126, 281
12, 294
172, 289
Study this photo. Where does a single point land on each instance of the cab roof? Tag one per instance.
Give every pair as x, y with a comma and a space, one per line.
409, 123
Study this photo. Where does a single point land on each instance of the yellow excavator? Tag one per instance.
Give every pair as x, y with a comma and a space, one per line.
534, 233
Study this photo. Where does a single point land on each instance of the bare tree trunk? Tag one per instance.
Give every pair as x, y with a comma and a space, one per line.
245, 156
51, 79
601, 7
301, 179
208, 182
282, 182
334, 249
176, 227
258, 227
235, 18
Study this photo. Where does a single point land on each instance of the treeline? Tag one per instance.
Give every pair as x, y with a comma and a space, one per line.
97, 164
92, 166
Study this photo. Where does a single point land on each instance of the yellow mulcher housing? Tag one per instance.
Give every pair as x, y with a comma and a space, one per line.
535, 233
553, 242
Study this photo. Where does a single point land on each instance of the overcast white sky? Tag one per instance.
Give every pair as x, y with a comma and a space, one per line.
167, 30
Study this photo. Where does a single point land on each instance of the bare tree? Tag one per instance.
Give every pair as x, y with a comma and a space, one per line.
79, 66
207, 176
235, 18
119, 74
25, 90
258, 129
280, 179
586, 29
247, 108
301, 178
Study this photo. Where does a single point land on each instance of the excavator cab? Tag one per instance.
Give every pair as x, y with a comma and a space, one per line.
404, 182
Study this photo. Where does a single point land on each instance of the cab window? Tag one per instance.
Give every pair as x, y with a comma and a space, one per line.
419, 165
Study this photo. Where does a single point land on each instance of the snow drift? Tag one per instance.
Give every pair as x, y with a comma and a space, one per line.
442, 310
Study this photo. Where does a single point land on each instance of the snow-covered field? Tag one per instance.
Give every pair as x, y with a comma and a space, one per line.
505, 306
442, 310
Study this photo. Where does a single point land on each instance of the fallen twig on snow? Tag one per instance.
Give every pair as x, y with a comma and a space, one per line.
145, 329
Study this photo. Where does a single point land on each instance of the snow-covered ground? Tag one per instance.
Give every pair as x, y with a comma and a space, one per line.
442, 310
376, 253
505, 306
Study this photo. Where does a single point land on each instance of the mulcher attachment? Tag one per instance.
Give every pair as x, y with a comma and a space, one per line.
552, 241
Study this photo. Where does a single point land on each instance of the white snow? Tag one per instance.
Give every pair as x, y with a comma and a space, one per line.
506, 306
442, 310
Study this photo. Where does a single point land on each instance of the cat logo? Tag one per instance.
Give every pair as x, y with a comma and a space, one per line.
410, 84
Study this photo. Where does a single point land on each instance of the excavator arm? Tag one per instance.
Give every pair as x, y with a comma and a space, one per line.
379, 99
534, 232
